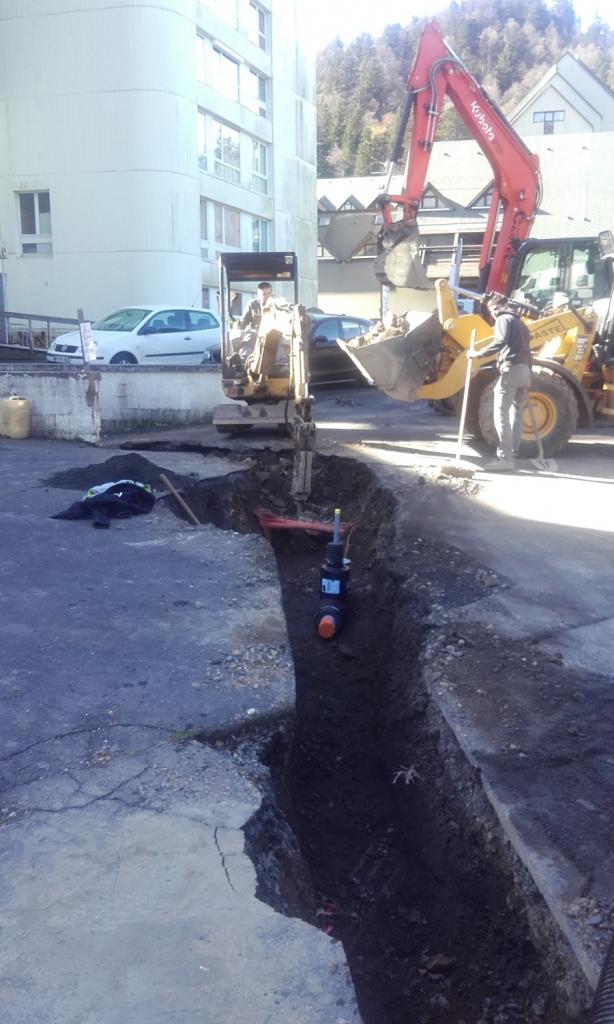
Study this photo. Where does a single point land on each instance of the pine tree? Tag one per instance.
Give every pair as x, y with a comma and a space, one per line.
508, 47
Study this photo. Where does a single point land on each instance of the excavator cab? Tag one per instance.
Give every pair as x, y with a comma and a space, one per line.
252, 365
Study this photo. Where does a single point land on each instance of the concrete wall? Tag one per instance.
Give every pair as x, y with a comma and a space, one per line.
289, 131
97, 107
294, 134
134, 396
64, 404
72, 404
353, 288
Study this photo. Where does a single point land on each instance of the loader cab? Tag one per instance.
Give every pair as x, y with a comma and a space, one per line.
605, 308
574, 267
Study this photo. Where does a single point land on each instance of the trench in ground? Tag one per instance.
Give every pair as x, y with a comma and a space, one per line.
439, 921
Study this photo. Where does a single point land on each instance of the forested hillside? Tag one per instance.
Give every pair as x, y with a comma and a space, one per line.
508, 45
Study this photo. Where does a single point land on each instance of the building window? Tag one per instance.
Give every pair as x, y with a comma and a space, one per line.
260, 164
227, 226
225, 10
205, 298
201, 140
227, 152
430, 201
225, 74
547, 119
200, 57
256, 99
35, 223
257, 26
484, 202
260, 235
204, 247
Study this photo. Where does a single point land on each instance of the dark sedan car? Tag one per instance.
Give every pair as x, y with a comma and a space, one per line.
328, 363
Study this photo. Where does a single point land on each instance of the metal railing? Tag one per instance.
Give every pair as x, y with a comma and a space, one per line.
32, 332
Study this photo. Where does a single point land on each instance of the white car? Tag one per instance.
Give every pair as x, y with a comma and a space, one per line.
160, 335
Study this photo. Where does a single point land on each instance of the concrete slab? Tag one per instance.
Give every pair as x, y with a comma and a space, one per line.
530, 699
535, 712
590, 646
128, 895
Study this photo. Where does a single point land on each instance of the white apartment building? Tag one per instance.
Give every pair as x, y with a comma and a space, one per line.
140, 139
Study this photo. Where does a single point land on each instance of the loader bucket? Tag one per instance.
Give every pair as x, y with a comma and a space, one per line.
399, 262
400, 365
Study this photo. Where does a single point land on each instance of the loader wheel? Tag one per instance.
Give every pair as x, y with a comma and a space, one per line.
555, 410
445, 406
479, 384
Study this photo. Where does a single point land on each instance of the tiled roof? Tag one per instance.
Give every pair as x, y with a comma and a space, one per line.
578, 198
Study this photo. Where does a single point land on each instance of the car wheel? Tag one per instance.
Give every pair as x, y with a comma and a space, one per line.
123, 359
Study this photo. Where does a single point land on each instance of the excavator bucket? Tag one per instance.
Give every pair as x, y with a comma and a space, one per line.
400, 365
399, 262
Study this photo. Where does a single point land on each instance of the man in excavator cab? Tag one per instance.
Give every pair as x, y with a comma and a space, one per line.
253, 313
511, 345
244, 333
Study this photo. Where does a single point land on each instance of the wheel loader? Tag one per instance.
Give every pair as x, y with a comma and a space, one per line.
425, 357
422, 356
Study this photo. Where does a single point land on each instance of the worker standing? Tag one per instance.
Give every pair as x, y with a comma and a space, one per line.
511, 344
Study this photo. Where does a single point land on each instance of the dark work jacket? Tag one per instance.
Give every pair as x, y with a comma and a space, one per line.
108, 501
511, 343
252, 315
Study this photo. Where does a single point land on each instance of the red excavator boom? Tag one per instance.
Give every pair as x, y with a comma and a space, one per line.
437, 73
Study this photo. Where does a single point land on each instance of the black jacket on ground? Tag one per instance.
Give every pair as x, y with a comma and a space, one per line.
118, 500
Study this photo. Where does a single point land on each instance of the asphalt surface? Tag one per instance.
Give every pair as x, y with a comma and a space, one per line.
127, 894
119, 645
533, 704
531, 696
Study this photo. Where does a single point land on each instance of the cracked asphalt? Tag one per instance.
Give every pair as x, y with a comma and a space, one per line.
534, 713
127, 894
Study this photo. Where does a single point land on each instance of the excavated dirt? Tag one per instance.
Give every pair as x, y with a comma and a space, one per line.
373, 827
130, 466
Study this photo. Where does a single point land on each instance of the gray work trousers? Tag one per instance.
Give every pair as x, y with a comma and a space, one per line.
511, 392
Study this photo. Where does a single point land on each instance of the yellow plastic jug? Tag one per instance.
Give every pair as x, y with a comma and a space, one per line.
15, 417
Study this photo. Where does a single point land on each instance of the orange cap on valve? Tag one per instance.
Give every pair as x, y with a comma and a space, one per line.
327, 627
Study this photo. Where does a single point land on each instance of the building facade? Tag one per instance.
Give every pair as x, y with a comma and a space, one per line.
577, 202
139, 140
567, 119
569, 98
